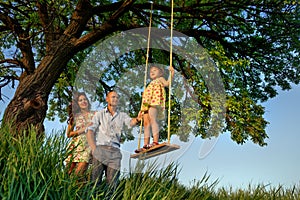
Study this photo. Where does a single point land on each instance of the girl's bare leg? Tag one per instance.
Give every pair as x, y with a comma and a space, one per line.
153, 112
146, 129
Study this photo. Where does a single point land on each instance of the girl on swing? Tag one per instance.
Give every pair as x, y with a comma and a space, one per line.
153, 105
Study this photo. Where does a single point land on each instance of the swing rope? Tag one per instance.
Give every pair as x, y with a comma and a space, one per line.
146, 71
170, 80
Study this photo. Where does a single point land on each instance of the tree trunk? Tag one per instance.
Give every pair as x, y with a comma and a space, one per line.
29, 105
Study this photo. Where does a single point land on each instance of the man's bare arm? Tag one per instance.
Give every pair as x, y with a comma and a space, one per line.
91, 139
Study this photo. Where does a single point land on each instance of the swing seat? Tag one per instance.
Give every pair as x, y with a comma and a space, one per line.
155, 151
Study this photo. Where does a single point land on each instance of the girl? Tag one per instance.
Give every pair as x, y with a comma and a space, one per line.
153, 105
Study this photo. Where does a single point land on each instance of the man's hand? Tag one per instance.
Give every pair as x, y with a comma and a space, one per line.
91, 140
140, 116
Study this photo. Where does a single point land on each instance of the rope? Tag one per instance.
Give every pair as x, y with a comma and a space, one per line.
146, 71
170, 80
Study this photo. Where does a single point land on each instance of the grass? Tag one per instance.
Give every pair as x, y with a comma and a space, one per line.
33, 168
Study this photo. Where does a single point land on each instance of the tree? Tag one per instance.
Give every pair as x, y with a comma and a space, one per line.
254, 43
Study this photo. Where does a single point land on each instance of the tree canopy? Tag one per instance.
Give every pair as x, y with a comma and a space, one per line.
254, 44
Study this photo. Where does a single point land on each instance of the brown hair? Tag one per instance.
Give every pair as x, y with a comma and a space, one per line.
73, 107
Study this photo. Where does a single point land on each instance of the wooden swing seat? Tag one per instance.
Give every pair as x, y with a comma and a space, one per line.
155, 151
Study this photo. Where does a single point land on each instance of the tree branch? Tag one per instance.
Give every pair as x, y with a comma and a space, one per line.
23, 44
107, 28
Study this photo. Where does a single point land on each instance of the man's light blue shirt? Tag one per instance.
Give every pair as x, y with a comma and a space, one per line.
108, 128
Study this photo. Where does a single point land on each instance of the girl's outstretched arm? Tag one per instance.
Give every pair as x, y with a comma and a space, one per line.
167, 82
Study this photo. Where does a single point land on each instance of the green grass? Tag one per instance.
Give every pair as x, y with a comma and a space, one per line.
33, 168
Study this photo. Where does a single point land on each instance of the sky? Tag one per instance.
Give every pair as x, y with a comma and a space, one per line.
232, 165
237, 166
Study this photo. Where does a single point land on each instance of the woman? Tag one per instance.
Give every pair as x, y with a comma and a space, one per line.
79, 119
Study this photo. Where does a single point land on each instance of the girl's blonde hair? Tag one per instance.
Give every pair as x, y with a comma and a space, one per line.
162, 71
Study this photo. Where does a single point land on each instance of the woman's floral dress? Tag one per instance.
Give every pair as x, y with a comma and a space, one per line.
79, 147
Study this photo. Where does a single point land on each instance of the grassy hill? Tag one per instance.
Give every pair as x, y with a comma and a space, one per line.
33, 168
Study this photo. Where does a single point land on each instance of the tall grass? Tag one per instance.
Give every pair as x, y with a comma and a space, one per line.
32, 168
146, 182
261, 192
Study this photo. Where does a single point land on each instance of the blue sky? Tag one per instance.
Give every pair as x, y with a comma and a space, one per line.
234, 165
237, 166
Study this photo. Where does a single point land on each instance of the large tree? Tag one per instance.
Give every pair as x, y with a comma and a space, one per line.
255, 45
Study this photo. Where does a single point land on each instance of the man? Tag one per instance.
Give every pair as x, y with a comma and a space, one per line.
107, 124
